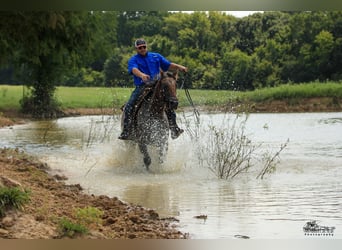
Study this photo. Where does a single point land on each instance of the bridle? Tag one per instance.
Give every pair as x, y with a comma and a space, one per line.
168, 90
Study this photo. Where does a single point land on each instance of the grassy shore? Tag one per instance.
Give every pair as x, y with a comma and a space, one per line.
99, 98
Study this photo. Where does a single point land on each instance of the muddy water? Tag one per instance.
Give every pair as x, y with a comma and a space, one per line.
305, 186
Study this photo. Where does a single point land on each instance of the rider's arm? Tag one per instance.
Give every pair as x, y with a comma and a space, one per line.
140, 74
178, 67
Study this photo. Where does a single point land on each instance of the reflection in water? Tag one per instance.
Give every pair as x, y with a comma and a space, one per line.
306, 185
153, 196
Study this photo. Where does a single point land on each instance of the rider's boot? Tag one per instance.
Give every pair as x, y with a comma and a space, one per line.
175, 130
125, 134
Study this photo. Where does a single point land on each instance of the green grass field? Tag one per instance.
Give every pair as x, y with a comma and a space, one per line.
94, 97
10, 96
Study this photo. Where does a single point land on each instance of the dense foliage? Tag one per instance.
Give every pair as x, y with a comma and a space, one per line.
45, 49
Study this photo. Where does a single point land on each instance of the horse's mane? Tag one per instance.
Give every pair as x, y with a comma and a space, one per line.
166, 74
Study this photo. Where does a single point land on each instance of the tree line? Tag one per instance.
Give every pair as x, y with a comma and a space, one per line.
91, 48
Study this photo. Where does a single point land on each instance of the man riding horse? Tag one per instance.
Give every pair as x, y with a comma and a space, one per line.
145, 67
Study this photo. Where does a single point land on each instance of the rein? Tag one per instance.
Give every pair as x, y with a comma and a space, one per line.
187, 93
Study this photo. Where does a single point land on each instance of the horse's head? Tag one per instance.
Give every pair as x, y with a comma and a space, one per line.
168, 85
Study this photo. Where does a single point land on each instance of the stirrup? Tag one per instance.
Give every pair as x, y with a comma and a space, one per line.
176, 132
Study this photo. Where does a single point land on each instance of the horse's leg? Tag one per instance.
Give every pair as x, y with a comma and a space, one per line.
147, 158
163, 148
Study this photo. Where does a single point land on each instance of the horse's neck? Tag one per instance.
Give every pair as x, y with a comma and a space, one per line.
155, 101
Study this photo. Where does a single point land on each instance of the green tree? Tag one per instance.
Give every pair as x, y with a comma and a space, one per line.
89, 72
104, 25
322, 54
236, 71
249, 31
336, 31
315, 57
173, 23
115, 69
267, 64
44, 44
135, 24
210, 79
161, 44
336, 71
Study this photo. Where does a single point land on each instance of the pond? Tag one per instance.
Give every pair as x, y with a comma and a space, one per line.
305, 186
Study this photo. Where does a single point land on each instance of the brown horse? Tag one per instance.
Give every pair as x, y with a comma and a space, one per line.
150, 123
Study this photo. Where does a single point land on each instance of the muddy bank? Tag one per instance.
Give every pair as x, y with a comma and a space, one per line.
323, 104
51, 199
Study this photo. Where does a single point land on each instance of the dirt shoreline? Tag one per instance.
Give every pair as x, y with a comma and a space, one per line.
51, 198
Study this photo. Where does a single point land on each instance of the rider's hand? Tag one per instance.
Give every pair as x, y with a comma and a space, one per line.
145, 77
183, 69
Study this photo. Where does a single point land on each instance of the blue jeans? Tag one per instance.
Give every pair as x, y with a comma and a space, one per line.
132, 100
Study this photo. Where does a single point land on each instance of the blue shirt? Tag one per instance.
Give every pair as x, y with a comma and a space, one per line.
150, 64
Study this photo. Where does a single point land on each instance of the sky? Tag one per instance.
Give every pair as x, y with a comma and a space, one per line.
241, 13
234, 13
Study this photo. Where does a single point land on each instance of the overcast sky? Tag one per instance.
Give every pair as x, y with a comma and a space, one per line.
234, 13
241, 13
